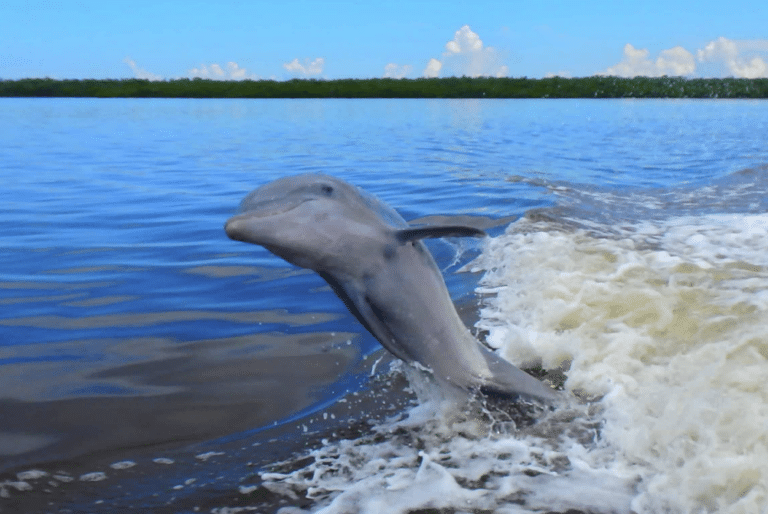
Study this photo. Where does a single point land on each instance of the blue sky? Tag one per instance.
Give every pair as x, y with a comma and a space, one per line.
283, 39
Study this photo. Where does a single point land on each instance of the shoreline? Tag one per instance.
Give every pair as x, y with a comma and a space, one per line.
451, 87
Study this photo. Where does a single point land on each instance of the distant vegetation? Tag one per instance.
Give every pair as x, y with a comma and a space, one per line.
453, 87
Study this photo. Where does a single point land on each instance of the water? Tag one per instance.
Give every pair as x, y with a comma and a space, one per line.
146, 361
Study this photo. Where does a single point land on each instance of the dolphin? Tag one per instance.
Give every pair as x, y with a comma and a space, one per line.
380, 268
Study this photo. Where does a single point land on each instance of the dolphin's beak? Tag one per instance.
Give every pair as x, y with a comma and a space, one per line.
237, 227
242, 227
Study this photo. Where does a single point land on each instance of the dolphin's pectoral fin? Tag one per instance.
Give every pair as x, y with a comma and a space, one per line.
370, 316
377, 323
414, 233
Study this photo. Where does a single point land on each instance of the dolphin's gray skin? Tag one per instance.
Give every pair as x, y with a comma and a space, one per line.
378, 265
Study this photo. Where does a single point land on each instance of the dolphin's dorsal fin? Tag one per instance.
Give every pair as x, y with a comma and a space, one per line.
414, 233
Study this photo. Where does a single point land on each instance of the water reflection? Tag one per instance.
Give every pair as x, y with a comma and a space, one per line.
153, 391
144, 319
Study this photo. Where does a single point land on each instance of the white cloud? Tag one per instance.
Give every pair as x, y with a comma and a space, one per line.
465, 55
743, 59
393, 71
635, 62
141, 73
233, 71
433, 69
561, 74
464, 41
720, 57
238, 73
307, 69
675, 61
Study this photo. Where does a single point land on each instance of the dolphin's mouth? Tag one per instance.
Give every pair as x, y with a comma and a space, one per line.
270, 208
242, 226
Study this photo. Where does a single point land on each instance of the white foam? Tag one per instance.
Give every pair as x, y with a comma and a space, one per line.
124, 464
96, 476
205, 456
666, 322
32, 474
438, 457
670, 324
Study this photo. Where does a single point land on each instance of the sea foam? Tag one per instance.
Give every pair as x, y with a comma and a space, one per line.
660, 326
668, 323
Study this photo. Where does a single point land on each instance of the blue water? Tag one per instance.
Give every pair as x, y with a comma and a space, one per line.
128, 319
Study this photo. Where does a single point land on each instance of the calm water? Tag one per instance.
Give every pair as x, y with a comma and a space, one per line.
132, 329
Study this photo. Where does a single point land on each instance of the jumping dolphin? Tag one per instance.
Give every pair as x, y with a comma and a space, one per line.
378, 265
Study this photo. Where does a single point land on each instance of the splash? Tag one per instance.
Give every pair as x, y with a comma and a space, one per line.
667, 323
660, 324
453, 453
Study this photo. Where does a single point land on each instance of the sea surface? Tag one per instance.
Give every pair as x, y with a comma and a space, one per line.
149, 363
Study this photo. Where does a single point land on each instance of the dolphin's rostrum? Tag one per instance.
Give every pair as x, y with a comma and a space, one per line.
378, 265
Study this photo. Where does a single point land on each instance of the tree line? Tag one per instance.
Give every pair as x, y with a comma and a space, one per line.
451, 87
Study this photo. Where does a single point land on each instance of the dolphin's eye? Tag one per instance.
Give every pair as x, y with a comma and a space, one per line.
326, 189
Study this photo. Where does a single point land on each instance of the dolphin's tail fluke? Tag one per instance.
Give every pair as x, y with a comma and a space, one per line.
507, 380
